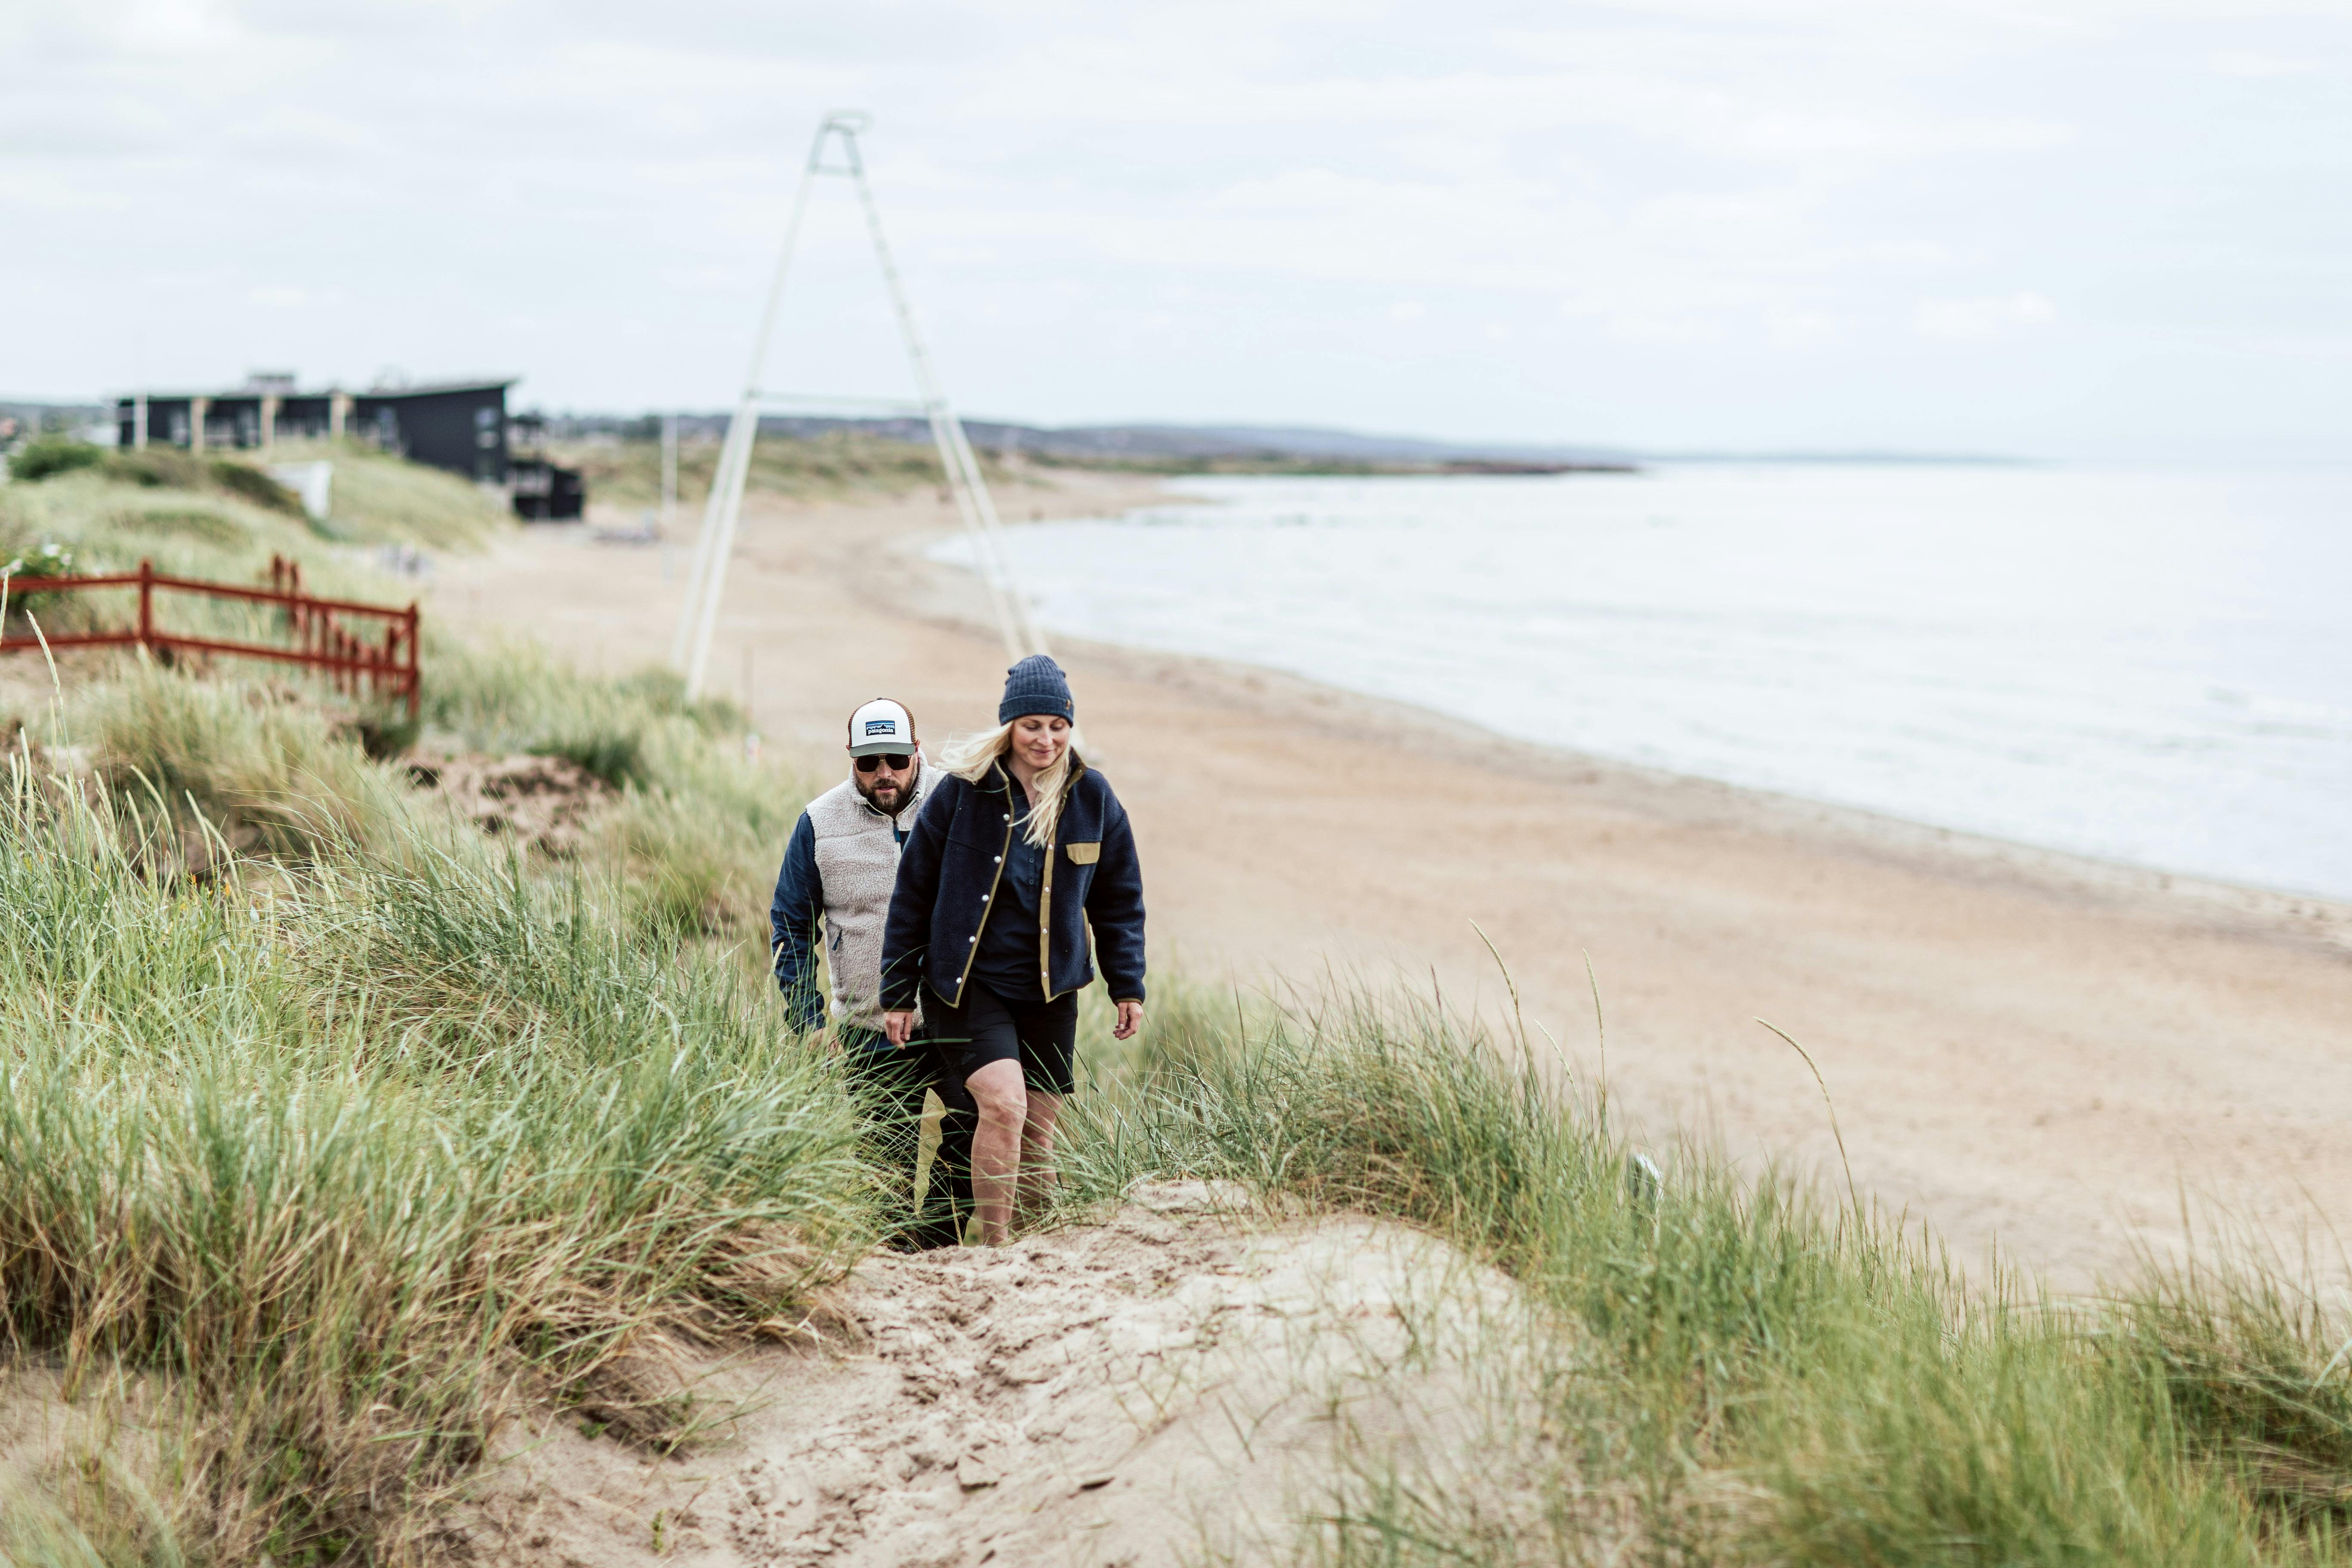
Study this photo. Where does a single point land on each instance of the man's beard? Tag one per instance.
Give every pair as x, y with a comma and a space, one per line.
901, 792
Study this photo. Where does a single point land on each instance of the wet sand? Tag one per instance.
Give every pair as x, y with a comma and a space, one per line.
2025, 1049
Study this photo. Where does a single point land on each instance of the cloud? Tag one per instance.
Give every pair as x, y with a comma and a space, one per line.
1789, 327
1981, 317
1179, 211
1800, 136
2250, 66
292, 297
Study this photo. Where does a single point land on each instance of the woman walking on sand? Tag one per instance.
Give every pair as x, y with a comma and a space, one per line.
1019, 850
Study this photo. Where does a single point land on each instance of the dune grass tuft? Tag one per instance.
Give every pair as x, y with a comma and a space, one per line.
700, 827
341, 1170
378, 499
1740, 1371
252, 764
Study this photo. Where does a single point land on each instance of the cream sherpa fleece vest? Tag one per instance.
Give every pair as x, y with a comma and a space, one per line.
857, 861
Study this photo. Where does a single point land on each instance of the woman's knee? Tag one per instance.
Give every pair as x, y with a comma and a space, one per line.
999, 1092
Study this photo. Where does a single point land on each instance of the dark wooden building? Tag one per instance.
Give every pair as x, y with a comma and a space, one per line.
457, 426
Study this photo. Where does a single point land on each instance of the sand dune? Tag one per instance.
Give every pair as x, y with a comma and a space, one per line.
1183, 1382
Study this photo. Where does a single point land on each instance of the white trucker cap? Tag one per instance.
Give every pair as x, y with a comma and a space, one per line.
881, 726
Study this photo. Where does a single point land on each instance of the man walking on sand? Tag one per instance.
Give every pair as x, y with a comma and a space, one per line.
839, 870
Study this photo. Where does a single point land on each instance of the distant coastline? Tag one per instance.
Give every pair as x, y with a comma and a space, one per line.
1169, 451
1273, 463
1854, 459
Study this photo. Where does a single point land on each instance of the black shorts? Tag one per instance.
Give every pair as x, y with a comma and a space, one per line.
1043, 1037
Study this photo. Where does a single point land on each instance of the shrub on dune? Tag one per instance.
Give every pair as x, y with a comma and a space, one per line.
45, 457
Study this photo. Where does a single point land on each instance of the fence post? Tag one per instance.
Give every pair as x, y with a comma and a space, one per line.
413, 676
146, 605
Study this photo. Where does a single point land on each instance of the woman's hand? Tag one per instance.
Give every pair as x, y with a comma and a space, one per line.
900, 1026
1130, 1018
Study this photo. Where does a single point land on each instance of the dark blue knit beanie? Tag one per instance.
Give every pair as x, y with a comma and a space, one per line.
1035, 684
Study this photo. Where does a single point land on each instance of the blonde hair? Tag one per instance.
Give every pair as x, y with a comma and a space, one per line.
971, 757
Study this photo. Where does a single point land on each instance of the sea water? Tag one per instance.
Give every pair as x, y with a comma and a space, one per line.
2148, 667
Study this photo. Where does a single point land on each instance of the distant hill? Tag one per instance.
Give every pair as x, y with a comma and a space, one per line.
1167, 448
1230, 441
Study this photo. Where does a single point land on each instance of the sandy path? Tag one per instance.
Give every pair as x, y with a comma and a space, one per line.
2022, 1046
1171, 1386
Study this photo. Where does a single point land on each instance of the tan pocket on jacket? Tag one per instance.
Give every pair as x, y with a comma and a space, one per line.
1083, 853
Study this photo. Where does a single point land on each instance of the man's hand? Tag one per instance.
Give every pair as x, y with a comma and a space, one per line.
900, 1027
1130, 1018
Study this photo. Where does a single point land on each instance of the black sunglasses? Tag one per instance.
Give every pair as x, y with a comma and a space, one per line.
897, 762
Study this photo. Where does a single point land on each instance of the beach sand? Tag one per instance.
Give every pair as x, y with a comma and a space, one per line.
2026, 1050
1186, 1382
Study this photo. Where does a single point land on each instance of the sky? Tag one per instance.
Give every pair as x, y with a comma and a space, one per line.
2090, 229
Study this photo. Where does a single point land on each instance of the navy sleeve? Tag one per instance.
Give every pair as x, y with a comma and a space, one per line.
906, 935
1114, 907
792, 927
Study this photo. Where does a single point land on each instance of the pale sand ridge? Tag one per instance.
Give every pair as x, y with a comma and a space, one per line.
1181, 1384
2022, 1046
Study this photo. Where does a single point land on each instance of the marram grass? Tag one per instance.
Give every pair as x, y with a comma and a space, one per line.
1740, 1371
338, 1170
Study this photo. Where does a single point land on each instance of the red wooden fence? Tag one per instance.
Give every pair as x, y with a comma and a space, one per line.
383, 667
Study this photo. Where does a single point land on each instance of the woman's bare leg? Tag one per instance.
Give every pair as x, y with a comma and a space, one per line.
1037, 1174
1005, 1108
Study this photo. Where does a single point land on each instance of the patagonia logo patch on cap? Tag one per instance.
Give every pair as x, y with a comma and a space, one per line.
881, 728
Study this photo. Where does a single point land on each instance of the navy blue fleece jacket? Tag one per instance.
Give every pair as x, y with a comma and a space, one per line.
948, 874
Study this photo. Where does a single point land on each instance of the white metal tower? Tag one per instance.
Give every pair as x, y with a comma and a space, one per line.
715, 541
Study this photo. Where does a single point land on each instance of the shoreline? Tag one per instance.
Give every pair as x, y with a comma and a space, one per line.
2256, 911
2026, 1048
2267, 913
